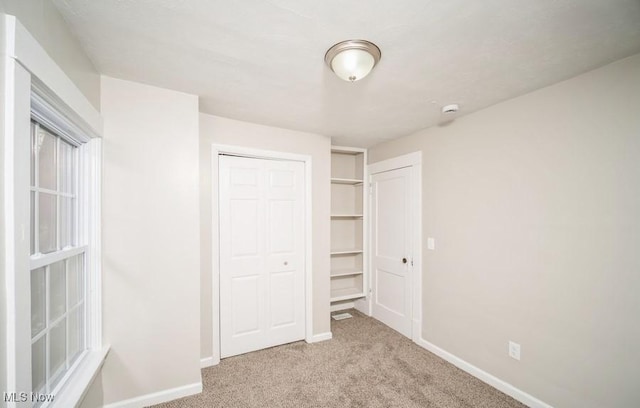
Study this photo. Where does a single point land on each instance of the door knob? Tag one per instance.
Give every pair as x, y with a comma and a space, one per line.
404, 260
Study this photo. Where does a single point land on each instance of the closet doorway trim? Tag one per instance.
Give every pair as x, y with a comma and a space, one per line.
216, 151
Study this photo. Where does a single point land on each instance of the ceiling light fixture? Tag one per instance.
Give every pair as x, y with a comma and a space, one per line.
453, 108
352, 60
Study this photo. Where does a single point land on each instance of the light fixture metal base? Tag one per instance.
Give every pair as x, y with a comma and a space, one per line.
364, 45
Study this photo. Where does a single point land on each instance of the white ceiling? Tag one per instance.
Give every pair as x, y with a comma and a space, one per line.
262, 60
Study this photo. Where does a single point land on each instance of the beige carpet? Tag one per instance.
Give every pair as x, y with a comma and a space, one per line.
366, 364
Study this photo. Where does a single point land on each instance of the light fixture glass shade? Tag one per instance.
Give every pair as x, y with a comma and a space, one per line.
352, 60
352, 65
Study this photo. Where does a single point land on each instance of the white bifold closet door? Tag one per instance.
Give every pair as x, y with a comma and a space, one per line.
262, 246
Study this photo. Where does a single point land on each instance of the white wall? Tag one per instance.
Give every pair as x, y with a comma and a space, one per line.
217, 130
151, 248
48, 27
535, 207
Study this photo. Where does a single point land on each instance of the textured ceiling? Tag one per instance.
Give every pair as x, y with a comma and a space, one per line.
262, 60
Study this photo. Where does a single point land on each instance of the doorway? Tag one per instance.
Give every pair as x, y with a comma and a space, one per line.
261, 251
395, 243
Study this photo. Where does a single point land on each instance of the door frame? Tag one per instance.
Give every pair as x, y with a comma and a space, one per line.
216, 151
413, 161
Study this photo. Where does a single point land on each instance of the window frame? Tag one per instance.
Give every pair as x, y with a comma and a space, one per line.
43, 111
35, 86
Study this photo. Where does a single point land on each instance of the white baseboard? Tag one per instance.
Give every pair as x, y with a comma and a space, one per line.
363, 306
158, 397
416, 331
209, 362
320, 337
516, 393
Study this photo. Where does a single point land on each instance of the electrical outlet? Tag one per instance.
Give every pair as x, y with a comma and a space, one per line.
431, 243
514, 350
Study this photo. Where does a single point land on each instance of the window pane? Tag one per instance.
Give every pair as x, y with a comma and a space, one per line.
47, 224
66, 167
57, 351
74, 280
38, 358
33, 154
33, 223
47, 160
75, 334
38, 301
82, 327
57, 290
67, 222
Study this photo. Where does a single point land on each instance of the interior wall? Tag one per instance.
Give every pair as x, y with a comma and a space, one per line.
46, 24
534, 207
150, 238
217, 130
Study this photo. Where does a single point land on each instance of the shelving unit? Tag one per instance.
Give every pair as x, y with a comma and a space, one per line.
348, 223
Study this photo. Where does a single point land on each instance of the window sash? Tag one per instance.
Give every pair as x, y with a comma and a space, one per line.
40, 260
58, 193
54, 381
76, 314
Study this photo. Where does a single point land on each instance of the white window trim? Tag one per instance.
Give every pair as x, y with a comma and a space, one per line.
28, 68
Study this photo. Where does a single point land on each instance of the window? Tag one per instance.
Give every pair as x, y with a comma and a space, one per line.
58, 290
51, 230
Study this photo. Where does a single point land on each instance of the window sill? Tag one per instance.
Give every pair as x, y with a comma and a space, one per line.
73, 392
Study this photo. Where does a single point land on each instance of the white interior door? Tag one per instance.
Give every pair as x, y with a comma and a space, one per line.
391, 248
261, 253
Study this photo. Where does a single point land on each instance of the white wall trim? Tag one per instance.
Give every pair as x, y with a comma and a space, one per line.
414, 161
16, 226
28, 70
158, 397
216, 150
407, 160
258, 153
81, 379
348, 149
320, 337
527, 399
92, 179
208, 362
28, 52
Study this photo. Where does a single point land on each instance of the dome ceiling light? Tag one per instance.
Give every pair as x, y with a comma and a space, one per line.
352, 60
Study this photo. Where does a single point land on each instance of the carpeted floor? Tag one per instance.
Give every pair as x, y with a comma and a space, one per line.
366, 364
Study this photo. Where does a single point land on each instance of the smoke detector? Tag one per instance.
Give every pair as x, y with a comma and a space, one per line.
449, 109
